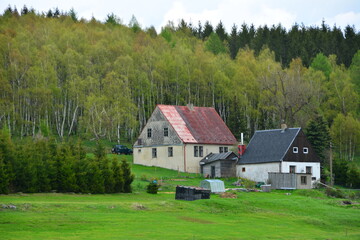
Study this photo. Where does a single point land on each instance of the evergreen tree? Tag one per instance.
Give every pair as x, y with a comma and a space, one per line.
24, 10
4, 178
94, 177
234, 42
220, 31
208, 30
214, 44
127, 176
318, 134
118, 177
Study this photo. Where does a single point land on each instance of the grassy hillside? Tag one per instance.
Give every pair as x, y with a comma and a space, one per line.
145, 216
302, 214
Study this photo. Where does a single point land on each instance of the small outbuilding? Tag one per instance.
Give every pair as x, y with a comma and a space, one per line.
219, 165
214, 185
290, 180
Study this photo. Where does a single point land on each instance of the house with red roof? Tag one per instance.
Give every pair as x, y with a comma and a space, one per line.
178, 137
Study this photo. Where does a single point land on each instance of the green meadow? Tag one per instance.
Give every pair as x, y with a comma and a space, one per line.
300, 214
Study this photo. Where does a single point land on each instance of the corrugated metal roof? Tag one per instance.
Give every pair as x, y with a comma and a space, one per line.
198, 125
218, 156
269, 145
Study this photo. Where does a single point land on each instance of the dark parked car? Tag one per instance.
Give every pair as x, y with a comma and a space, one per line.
121, 149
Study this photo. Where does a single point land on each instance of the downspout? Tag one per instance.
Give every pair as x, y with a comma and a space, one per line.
280, 166
184, 157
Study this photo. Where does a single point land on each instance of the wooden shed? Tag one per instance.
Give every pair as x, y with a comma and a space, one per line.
290, 180
219, 165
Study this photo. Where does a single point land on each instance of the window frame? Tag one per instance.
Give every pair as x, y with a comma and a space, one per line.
149, 133
221, 149
226, 149
166, 132
308, 167
154, 153
196, 151
170, 152
307, 150
295, 150
292, 169
303, 180
201, 151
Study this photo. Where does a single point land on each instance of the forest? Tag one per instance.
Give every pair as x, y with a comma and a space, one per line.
96, 80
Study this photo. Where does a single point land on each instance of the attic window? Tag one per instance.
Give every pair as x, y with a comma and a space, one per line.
295, 150
166, 132
149, 133
305, 150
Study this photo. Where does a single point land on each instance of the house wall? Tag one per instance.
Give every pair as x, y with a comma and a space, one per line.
257, 172
207, 169
300, 167
308, 184
143, 156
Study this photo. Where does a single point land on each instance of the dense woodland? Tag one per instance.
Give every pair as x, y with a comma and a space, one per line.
94, 79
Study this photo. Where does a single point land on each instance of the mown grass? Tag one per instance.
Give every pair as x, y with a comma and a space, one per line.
145, 216
302, 214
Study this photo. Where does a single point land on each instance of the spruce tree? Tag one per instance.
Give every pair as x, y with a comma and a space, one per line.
118, 177
127, 175
4, 179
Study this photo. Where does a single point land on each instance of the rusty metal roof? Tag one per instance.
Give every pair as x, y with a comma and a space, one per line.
198, 125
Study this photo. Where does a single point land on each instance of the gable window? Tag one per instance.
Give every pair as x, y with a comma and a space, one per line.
221, 149
201, 151
292, 169
295, 150
196, 151
305, 150
303, 180
308, 169
170, 152
166, 132
149, 133
154, 153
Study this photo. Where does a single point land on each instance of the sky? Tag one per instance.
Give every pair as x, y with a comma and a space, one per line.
158, 13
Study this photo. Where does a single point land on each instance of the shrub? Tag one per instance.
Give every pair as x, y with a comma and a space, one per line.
152, 188
337, 193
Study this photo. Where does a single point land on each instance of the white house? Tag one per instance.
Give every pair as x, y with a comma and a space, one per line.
178, 137
285, 150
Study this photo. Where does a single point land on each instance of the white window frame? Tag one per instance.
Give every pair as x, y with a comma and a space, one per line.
305, 150
295, 150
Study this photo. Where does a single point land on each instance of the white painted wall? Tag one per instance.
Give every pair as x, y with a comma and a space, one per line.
301, 168
143, 156
257, 172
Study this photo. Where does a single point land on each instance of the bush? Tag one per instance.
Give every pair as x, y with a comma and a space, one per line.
152, 188
337, 193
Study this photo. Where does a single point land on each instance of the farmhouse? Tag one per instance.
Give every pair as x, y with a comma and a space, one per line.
284, 151
178, 137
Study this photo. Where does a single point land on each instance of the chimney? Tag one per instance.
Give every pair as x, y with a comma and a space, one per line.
190, 106
241, 146
283, 127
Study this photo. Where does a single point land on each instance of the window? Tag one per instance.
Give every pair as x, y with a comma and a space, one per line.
305, 150
243, 169
292, 169
140, 141
149, 132
226, 149
201, 151
221, 149
154, 153
303, 180
308, 169
166, 132
170, 152
295, 150
196, 151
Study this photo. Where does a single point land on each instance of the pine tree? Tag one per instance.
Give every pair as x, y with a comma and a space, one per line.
118, 177
4, 178
127, 176
234, 42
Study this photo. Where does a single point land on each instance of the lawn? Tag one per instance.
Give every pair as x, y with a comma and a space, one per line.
253, 215
301, 214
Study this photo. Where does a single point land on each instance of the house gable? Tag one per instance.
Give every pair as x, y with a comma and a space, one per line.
157, 123
304, 153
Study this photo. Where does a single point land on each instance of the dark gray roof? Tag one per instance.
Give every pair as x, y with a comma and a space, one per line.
269, 145
218, 156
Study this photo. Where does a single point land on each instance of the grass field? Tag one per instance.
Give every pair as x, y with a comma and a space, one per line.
302, 214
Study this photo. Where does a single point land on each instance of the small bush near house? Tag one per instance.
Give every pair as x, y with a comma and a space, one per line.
248, 183
337, 193
152, 188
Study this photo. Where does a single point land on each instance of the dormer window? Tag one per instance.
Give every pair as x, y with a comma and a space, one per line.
305, 150
295, 150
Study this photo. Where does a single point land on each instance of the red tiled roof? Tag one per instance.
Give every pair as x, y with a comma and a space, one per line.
199, 125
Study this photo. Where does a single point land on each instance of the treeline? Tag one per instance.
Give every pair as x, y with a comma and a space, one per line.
103, 80
43, 165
